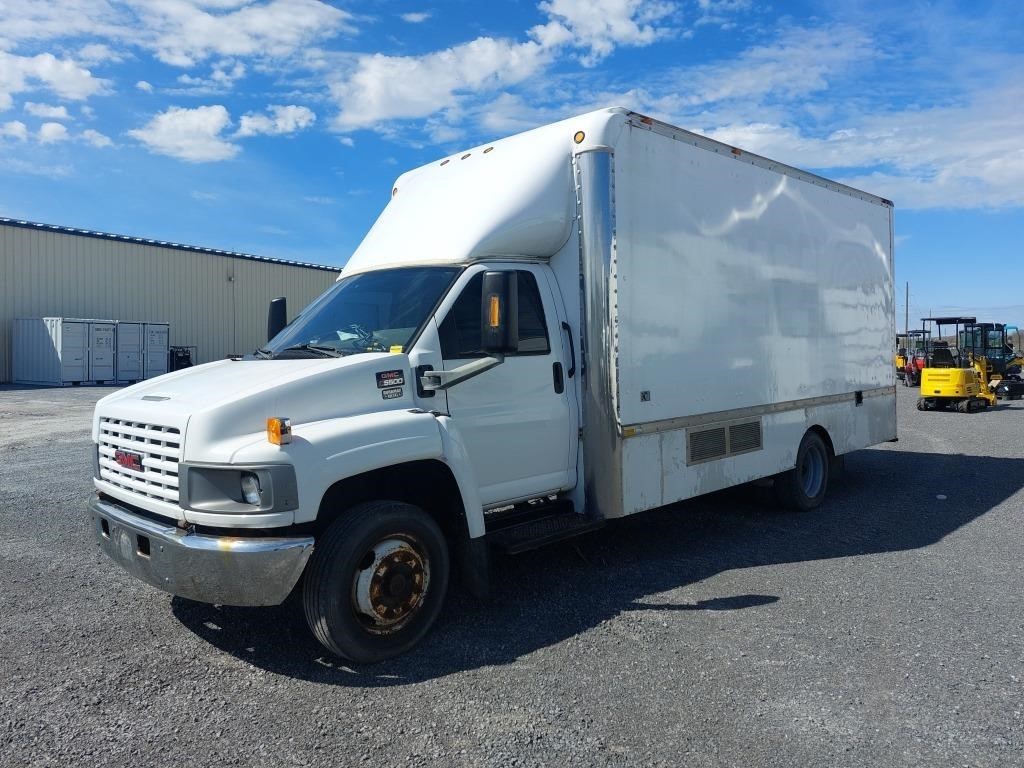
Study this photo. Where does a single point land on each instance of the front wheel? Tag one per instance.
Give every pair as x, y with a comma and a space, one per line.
376, 581
803, 487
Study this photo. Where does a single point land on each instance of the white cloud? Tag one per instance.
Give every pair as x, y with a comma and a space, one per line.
204, 197
801, 62
383, 88
50, 133
35, 168
22, 20
96, 138
193, 135
281, 120
417, 17
221, 79
98, 53
47, 110
392, 87
720, 12
599, 26
347, 141
179, 32
319, 200
270, 229
144, 86
182, 33
963, 156
61, 76
15, 129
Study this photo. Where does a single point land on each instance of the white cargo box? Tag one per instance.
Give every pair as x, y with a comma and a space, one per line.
61, 351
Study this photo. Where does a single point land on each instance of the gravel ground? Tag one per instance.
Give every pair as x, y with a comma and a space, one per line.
885, 629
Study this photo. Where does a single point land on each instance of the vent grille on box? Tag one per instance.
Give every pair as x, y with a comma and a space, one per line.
718, 442
707, 444
744, 437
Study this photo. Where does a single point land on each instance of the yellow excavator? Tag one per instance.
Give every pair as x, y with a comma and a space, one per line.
953, 376
998, 364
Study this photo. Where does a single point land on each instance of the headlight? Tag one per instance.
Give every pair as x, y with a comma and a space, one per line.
251, 491
238, 490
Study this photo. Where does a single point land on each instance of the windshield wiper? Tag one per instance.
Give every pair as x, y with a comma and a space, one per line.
318, 348
265, 354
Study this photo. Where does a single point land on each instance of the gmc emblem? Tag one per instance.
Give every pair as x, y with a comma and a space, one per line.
128, 460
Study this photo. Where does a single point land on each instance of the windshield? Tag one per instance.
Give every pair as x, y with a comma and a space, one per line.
369, 312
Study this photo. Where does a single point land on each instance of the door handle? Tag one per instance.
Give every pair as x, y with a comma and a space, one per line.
556, 373
572, 349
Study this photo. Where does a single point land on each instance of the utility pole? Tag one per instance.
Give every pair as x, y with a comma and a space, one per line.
906, 311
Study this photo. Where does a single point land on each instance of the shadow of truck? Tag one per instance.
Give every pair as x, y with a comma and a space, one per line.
885, 503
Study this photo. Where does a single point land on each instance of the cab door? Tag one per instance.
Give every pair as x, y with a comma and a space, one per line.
515, 418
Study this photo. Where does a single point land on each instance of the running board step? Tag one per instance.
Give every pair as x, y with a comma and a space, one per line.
537, 533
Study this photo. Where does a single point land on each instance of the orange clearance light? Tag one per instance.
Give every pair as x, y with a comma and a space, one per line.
279, 430
579, 137
495, 312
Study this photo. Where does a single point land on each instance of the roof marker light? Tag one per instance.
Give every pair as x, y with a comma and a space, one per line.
465, 156
579, 137
446, 161
488, 150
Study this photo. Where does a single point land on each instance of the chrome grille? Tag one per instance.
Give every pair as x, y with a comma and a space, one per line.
160, 448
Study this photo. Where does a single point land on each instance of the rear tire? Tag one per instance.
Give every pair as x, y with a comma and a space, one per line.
377, 581
803, 488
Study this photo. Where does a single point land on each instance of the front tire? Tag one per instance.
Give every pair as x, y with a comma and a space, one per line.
376, 581
803, 487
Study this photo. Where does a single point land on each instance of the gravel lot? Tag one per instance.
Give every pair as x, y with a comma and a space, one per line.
885, 629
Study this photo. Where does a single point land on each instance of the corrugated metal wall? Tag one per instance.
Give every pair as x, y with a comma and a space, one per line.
213, 302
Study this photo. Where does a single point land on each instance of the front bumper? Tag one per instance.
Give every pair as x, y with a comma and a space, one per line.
225, 570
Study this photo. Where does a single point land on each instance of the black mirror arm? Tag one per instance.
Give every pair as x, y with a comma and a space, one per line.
434, 380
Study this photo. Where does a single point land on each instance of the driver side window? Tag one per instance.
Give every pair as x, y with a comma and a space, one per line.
460, 330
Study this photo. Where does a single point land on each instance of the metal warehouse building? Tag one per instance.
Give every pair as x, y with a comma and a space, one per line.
215, 301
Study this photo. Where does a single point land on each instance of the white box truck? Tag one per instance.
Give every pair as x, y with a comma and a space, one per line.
539, 335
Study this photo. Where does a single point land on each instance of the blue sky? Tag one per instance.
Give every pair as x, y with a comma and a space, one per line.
277, 126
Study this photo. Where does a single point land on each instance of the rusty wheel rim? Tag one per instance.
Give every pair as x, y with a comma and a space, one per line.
391, 584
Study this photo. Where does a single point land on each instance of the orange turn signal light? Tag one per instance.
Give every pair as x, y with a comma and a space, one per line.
494, 315
279, 430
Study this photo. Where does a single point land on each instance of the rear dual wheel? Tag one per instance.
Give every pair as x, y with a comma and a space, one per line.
376, 581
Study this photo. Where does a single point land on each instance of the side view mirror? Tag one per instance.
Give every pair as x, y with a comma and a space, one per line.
277, 317
499, 313
499, 331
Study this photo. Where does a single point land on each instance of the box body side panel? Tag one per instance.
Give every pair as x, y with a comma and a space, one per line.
740, 287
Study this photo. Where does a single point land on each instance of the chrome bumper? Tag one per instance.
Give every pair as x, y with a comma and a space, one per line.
225, 570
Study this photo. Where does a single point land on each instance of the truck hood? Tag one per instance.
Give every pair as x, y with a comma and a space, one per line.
224, 400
